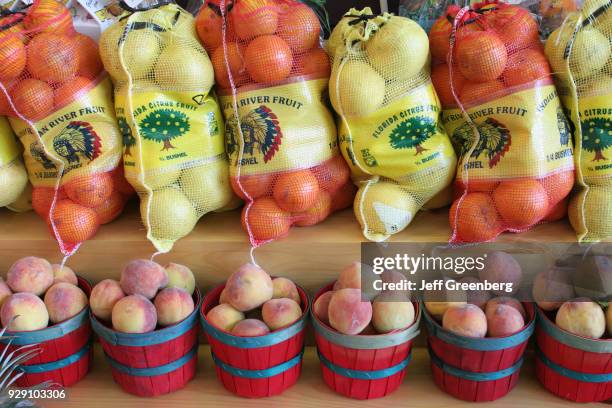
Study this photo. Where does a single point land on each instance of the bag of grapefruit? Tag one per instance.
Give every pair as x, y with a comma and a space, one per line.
505, 119
272, 76
581, 57
13, 175
389, 130
174, 154
59, 103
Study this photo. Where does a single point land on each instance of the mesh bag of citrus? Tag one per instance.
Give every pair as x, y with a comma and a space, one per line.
389, 130
59, 103
505, 119
581, 57
172, 128
272, 75
13, 175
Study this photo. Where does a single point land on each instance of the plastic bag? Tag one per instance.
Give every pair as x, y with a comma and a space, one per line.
505, 119
272, 77
389, 129
174, 154
581, 56
59, 103
13, 175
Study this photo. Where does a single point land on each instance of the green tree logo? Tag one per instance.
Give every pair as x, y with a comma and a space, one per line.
412, 133
596, 136
163, 125
128, 137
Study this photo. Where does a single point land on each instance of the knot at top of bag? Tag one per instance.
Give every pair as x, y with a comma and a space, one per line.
361, 25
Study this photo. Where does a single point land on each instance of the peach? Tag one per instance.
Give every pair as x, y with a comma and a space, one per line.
465, 320
5, 291
250, 328
180, 276
249, 287
64, 274
390, 313
438, 301
503, 320
284, 288
173, 305
553, 287
103, 297
224, 316
508, 301
476, 297
143, 277
348, 312
582, 317
134, 314
223, 297
24, 312
501, 267
395, 277
278, 313
354, 275
64, 300
30, 274
320, 308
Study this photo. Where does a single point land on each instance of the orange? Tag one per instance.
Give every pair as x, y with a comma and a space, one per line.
300, 28
71, 90
91, 190
313, 62
558, 185
317, 213
268, 59
90, 64
235, 63
296, 191
332, 174
13, 56
33, 99
516, 27
474, 218
73, 223
521, 203
440, 77
110, 208
481, 55
49, 16
266, 219
253, 18
252, 187
558, 212
209, 26
439, 38
5, 106
344, 196
120, 183
42, 197
475, 185
473, 93
526, 66
53, 57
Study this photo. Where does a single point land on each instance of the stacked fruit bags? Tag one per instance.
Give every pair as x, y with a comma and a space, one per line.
272, 76
172, 128
389, 129
53, 88
505, 119
581, 57
13, 175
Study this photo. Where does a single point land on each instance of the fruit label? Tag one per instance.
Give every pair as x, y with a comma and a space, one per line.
399, 141
80, 138
523, 134
279, 128
9, 149
168, 131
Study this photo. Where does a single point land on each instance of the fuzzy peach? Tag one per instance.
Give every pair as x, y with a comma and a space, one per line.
503, 320
279, 313
223, 297
64, 274
64, 300
465, 320
321, 306
553, 287
284, 288
103, 297
173, 305
582, 317
476, 297
501, 267
143, 277
249, 287
5, 292
180, 276
24, 312
354, 275
438, 301
224, 316
508, 301
30, 274
348, 312
134, 314
390, 312
250, 328
395, 277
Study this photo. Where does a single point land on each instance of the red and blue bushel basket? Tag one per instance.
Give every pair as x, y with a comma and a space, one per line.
364, 366
256, 367
154, 363
572, 367
65, 352
477, 369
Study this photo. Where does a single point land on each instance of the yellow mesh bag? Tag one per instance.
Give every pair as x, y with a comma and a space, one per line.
174, 153
581, 56
13, 175
389, 130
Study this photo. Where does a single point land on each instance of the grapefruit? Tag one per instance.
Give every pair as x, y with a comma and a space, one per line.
168, 214
590, 52
347, 92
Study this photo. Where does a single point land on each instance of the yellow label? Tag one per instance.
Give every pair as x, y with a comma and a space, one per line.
279, 128
524, 134
399, 140
9, 149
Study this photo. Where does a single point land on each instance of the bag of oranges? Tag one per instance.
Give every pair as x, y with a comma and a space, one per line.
13, 175
272, 75
389, 130
174, 154
59, 103
581, 56
505, 119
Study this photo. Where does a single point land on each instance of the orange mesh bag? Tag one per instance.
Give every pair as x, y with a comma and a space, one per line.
59, 103
505, 119
272, 76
